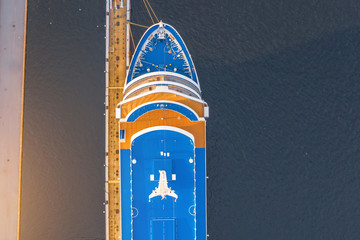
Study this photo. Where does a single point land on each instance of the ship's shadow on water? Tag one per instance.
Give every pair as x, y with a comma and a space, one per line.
283, 142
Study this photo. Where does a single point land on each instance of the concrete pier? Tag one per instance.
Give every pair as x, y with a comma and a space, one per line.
12, 72
117, 59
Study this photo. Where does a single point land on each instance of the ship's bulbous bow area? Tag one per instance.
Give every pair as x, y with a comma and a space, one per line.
161, 50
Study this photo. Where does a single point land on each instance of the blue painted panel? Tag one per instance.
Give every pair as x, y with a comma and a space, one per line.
153, 106
200, 194
162, 208
122, 134
125, 195
163, 229
146, 148
162, 164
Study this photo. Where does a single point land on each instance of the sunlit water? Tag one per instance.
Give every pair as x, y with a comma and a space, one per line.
282, 82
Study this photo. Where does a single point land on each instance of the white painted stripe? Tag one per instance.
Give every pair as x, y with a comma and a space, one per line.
159, 91
168, 128
161, 73
161, 101
161, 83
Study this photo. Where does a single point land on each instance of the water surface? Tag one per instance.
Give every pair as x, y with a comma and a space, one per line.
282, 82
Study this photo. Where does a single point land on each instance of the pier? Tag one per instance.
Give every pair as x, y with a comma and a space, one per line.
12, 74
117, 61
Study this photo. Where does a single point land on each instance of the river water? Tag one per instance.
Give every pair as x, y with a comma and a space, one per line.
282, 82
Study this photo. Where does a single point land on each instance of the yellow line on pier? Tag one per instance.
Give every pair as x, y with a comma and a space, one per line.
116, 87
114, 181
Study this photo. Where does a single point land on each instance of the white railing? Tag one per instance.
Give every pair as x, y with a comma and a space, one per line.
106, 119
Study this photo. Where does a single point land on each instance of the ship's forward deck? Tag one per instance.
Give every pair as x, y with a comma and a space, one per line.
162, 142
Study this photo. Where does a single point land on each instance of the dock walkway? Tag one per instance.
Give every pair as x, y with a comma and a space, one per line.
12, 70
117, 59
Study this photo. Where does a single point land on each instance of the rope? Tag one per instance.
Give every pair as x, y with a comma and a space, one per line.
148, 12
152, 10
138, 25
132, 38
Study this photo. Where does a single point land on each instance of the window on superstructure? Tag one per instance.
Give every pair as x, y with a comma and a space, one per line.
122, 135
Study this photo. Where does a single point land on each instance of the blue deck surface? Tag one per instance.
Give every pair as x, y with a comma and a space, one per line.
142, 219
163, 229
154, 54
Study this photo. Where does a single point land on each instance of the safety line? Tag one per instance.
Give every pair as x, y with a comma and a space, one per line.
138, 25
148, 12
152, 11
132, 38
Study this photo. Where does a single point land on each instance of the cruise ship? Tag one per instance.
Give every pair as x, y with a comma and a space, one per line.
162, 138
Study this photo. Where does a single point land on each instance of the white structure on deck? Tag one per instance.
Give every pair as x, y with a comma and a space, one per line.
163, 189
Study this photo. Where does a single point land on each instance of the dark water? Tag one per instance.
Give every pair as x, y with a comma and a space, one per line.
282, 82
